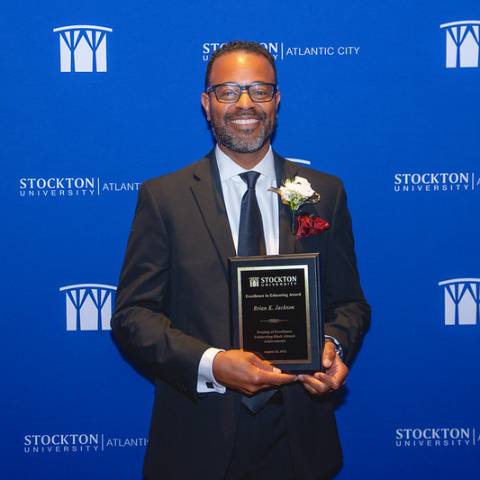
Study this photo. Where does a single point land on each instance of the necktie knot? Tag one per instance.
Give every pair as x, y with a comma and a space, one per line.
250, 178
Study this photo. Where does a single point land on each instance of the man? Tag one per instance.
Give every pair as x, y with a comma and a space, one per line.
172, 316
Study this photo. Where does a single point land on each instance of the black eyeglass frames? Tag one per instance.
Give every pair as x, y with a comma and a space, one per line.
230, 92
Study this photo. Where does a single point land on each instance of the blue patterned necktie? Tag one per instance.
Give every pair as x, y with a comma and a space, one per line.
251, 242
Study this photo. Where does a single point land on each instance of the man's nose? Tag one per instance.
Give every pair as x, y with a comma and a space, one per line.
244, 100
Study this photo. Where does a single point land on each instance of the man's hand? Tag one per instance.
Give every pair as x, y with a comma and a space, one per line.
246, 372
334, 377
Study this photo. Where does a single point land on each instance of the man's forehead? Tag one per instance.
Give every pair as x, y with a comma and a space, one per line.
241, 66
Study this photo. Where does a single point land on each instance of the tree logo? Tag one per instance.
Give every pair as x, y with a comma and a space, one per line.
88, 306
83, 48
462, 301
462, 44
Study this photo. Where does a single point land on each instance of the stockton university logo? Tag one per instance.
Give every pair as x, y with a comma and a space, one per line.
89, 306
254, 281
462, 301
83, 48
462, 44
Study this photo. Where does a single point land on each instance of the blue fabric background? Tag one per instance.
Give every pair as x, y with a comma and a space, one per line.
392, 108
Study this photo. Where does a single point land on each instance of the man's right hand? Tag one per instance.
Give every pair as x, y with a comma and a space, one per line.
247, 373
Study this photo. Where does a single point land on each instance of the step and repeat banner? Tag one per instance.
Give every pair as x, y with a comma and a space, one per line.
99, 96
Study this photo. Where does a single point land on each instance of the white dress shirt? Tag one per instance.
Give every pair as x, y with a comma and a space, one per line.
233, 189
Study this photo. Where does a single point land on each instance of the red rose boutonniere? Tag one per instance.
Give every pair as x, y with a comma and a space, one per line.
295, 193
309, 225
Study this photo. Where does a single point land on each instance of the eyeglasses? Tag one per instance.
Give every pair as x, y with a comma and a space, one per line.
231, 92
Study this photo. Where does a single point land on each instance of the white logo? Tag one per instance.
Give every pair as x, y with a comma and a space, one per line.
278, 281
83, 48
73, 443
89, 306
66, 187
275, 48
281, 51
462, 44
61, 443
436, 182
462, 301
254, 281
437, 437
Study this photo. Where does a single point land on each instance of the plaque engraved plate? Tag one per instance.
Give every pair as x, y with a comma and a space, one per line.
276, 309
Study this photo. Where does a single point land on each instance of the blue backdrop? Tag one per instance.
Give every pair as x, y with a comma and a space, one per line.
384, 94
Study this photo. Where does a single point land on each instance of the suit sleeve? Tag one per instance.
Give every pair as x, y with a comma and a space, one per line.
347, 312
141, 326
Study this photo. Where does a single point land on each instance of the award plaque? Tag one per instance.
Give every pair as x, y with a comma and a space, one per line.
276, 309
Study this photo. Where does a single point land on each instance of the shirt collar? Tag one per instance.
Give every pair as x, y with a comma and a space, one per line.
228, 168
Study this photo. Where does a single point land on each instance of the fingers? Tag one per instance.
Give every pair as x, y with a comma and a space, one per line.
314, 385
269, 375
258, 379
332, 382
328, 354
278, 379
321, 383
260, 363
310, 389
268, 367
246, 372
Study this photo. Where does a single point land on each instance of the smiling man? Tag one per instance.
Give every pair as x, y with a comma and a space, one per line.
222, 413
242, 124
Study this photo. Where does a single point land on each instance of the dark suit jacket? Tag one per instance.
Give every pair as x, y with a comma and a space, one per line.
173, 304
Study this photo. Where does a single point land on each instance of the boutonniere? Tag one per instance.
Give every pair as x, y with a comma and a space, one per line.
295, 193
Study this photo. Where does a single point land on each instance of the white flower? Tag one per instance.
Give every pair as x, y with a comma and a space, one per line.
299, 185
296, 192
285, 193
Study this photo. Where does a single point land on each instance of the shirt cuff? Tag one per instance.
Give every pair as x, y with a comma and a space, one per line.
206, 382
338, 345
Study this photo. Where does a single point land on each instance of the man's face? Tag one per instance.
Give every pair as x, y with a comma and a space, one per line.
245, 126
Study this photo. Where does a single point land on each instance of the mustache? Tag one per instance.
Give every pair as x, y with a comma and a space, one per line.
245, 112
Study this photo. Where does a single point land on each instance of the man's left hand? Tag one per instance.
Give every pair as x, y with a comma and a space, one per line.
332, 379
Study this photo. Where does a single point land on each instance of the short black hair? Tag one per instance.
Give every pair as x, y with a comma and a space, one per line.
239, 45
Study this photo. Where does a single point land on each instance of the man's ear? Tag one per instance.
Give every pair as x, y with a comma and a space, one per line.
205, 99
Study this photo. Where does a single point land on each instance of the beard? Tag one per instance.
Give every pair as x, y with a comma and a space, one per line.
242, 141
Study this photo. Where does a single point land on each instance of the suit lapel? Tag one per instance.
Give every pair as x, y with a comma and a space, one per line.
283, 170
207, 191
